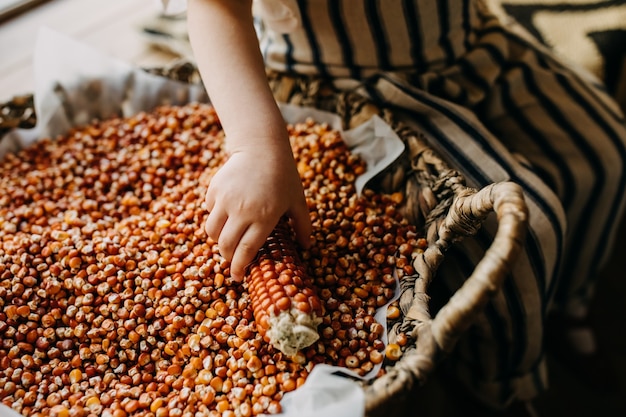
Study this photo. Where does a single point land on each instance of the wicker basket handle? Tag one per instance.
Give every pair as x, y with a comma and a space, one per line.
507, 201
433, 337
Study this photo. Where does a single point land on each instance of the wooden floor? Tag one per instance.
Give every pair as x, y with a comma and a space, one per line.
112, 26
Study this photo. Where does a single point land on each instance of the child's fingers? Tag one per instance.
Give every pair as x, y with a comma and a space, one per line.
209, 200
231, 234
247, 249
302, 224
214, 223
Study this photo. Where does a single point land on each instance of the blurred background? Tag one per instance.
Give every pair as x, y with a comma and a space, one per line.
114, 27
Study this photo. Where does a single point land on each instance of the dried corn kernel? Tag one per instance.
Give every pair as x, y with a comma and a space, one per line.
393, 351
110, 289
286, 307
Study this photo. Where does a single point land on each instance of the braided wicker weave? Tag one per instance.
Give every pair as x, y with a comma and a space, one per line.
18, 112
436, 200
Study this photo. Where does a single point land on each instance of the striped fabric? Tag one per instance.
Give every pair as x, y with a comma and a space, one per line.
356, 38
589, 33
497, 106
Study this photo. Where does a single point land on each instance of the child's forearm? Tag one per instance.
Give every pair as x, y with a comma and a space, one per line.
227, 52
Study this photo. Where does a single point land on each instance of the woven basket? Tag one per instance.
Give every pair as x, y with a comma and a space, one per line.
436, 200
19, 112
438, 203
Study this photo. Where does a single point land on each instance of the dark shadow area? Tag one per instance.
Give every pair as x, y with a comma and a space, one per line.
567, 395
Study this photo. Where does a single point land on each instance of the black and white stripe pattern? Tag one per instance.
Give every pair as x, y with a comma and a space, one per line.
497, 106
356, 38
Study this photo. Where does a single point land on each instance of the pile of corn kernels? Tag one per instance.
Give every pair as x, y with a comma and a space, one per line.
114, 302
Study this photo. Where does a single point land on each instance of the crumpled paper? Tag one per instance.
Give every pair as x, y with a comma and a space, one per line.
8, 412
325, 393
374, 141
331, 391
76, 84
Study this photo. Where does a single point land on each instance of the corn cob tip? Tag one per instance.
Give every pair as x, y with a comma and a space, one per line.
292, 331
286, 308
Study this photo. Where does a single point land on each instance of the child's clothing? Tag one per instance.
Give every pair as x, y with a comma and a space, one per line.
497, 106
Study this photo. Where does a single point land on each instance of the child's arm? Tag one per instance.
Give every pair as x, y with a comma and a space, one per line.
259, 182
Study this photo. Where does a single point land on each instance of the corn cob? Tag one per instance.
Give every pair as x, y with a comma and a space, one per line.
286, 308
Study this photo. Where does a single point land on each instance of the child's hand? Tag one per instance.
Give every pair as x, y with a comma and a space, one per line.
247, 197
259, 183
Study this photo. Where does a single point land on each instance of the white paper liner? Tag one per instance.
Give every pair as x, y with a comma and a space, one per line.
171, 7
8, 412
327, 392
75, 84
374, 141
